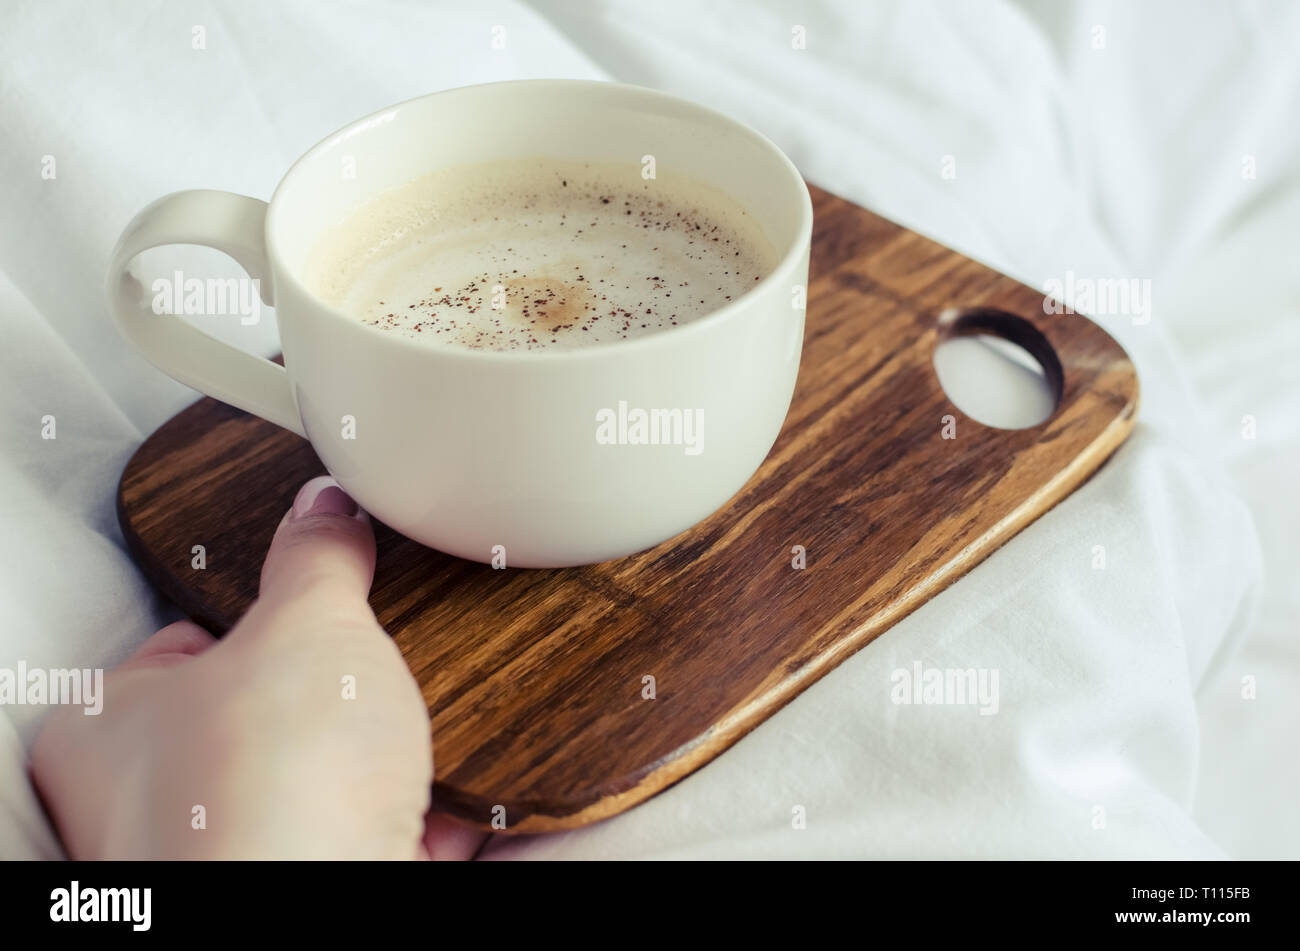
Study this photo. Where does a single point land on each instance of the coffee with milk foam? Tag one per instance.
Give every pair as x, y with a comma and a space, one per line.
541, 254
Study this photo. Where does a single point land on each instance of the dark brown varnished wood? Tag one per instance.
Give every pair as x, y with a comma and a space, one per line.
534, 679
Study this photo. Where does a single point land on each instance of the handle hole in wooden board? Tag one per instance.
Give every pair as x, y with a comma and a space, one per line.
997, 368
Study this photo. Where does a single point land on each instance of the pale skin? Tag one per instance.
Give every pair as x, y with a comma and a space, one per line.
258, 728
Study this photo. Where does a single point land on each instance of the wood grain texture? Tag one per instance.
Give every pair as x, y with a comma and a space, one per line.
534, 678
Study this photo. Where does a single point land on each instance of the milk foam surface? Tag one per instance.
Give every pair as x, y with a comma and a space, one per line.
539, 254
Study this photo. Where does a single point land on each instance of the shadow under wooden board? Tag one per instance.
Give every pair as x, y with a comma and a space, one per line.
534, 678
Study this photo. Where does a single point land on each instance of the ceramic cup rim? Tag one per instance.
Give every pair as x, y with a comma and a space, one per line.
791, 256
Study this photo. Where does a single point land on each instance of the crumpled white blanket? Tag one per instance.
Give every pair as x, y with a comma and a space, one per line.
1092, 139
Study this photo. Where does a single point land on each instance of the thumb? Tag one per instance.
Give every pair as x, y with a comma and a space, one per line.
324, 545
174, 643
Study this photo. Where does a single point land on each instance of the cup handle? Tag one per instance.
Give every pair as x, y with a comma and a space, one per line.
234, 224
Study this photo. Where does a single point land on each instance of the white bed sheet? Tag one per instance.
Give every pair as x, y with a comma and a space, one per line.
1122, 729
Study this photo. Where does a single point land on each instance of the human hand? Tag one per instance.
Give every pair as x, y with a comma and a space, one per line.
256, 728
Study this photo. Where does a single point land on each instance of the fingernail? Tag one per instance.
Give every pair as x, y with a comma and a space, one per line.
323, 496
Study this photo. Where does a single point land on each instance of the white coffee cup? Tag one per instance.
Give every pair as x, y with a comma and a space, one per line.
485, 454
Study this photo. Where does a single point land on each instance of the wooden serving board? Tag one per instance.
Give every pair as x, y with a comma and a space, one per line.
534, 679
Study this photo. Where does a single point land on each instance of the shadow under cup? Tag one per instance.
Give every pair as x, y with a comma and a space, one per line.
501, 457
